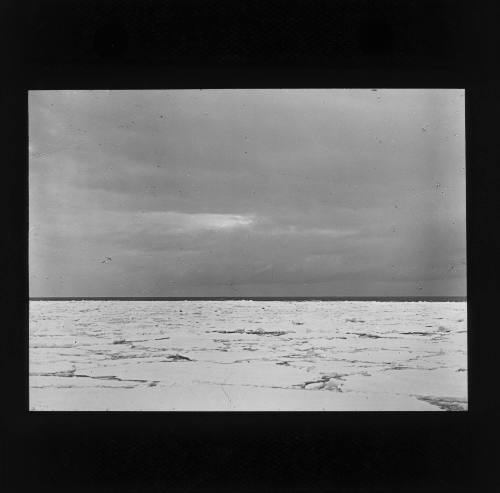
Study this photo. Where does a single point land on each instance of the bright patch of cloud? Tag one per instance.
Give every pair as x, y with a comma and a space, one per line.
182, 222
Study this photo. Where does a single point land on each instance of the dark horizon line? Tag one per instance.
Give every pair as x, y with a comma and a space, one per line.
252, 298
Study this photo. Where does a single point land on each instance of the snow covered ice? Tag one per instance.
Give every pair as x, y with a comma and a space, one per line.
248, 355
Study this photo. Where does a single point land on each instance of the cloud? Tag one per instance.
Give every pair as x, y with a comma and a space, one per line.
190, 222
248, 187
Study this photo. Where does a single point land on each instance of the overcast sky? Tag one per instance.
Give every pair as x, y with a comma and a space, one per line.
247, 193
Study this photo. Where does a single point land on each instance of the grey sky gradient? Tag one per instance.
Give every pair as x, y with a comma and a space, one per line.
247, 193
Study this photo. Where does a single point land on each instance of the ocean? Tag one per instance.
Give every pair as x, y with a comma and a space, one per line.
248, 355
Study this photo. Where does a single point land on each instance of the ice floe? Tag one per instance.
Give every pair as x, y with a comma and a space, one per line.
248, 355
